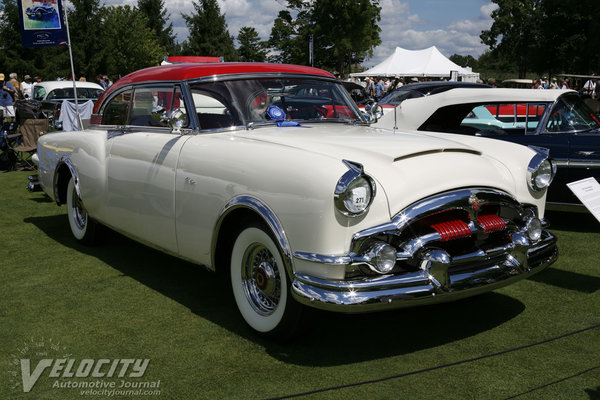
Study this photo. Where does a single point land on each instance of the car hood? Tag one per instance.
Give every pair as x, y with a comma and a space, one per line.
407, 166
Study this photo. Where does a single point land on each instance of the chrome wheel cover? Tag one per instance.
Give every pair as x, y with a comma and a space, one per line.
78, 210
261, 279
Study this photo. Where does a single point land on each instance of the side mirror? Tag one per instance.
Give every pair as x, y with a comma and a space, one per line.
375, 112
159, 114
176, 119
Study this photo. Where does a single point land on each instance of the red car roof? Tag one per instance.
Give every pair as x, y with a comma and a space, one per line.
178, 72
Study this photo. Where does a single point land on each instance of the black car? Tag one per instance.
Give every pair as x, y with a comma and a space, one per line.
42, 11
357, 92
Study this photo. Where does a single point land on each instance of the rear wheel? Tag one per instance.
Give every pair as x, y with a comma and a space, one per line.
260, 284
82, 226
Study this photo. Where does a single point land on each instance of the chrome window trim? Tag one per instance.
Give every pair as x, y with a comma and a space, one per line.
276, 75
192, 123
263, 75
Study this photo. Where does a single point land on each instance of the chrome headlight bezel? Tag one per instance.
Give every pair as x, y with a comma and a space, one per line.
540, 171
347, 186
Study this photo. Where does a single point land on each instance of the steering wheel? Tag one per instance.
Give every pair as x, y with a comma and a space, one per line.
309, 112
554, 122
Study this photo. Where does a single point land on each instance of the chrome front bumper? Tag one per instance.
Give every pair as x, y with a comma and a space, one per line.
448, 282
433, 268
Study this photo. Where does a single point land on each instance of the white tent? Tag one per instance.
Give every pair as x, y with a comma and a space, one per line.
427, 63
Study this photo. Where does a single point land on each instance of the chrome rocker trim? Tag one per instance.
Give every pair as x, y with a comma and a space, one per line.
439, 276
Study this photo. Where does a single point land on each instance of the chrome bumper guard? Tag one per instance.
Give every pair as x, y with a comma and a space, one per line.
437, 276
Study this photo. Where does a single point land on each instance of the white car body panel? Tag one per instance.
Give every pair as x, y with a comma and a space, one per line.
411, 113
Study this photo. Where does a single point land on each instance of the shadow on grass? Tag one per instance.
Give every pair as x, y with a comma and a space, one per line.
573, 221
42, 199
568, 280
333, 339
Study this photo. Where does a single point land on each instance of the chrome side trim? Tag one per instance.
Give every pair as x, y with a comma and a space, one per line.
268, 216
583, 164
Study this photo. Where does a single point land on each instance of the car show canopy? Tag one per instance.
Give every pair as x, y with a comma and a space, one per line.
427, 63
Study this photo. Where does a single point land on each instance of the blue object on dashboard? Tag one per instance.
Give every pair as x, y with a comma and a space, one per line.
276, 113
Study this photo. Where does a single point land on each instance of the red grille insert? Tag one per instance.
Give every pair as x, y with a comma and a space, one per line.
451, 230
96, 119
491, 223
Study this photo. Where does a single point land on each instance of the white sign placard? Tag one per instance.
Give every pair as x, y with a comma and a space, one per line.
588, 191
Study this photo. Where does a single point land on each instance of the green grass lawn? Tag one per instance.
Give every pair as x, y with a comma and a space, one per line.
120, 300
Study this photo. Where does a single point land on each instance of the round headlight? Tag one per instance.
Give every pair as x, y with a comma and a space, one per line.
354, 191
534, 229
385, 258
358, 196
540, 173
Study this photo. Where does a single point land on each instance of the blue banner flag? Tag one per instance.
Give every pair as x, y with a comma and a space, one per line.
42, 23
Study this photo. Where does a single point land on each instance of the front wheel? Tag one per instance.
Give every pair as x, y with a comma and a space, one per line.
260, 284
82, 226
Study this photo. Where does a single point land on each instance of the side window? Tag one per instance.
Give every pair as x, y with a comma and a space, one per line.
152, 105
38, 92
213, 111
115, 112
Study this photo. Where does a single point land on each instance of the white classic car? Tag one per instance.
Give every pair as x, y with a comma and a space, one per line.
557, 120
271, 173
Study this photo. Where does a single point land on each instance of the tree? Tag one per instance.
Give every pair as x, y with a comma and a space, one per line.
42, 61
157, 17
570, 36
517, 23
464, 61
289, 39
131, 44
251, 47
208, 34
86, 31
344, 32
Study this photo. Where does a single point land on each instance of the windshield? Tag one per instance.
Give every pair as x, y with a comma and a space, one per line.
278, 100
399, 96
571, 114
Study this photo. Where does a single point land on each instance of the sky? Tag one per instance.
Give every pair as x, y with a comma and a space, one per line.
453, 26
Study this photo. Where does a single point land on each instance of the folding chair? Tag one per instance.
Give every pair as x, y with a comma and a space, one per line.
9, 139
30, 131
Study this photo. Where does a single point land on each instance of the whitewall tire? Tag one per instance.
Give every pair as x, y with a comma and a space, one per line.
260, 283
82, 226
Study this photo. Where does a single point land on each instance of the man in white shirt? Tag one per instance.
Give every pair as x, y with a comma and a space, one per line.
27, 87
589, 89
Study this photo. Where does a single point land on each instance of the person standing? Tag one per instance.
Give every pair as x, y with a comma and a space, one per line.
589, 89
27, 88
18, 95
379, 90
101, 82
6, 99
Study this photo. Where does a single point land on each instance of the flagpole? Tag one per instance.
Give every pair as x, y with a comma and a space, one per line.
80, 124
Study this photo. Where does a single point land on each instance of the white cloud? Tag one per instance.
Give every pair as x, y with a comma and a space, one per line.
401, 28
